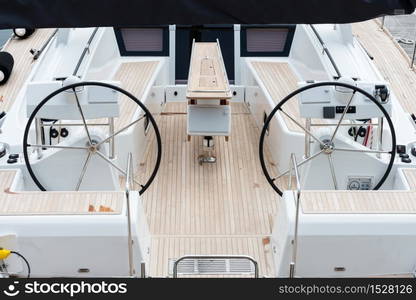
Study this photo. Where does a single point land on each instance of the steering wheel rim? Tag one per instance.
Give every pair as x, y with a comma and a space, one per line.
147, 113
278, 107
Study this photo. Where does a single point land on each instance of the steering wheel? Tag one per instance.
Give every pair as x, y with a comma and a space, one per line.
93, 147
327, 146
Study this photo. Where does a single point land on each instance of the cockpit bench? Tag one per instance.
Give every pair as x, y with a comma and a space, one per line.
363, 202
56, 203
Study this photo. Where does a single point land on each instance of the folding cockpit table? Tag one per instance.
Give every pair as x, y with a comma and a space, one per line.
208, 93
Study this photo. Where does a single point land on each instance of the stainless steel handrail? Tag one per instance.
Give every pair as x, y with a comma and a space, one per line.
383, 20
253, 261
326, 50
129, 185
412, 59
85, 51
294, 166
36, 53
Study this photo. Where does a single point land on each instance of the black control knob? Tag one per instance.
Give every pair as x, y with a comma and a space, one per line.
23, 33
54, 133
406, 160
382, 92
352, 131
12, 160
64, 132
362, 132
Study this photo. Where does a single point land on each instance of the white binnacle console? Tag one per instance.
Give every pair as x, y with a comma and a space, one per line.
329, 102
95, 101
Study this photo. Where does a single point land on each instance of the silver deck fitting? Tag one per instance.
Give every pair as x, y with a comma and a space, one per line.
207, 157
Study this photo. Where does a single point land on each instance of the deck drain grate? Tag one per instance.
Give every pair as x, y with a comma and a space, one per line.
213, 266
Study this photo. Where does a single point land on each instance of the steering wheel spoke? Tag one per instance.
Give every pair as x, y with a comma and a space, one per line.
121, 130
57, 147
298, 165
84, 170
308, 132
362, 150
84, 122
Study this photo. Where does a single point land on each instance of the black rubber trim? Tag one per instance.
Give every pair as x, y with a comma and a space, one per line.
311, 86
133, 13
28, 33
106, 85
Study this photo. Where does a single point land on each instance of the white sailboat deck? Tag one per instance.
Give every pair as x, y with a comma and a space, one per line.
222, 208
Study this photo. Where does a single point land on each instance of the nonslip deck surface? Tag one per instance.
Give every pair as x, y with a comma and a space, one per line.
228, 197
134, 78
168, 247
222, 208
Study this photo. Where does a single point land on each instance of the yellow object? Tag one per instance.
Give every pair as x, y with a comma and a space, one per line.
4, 253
